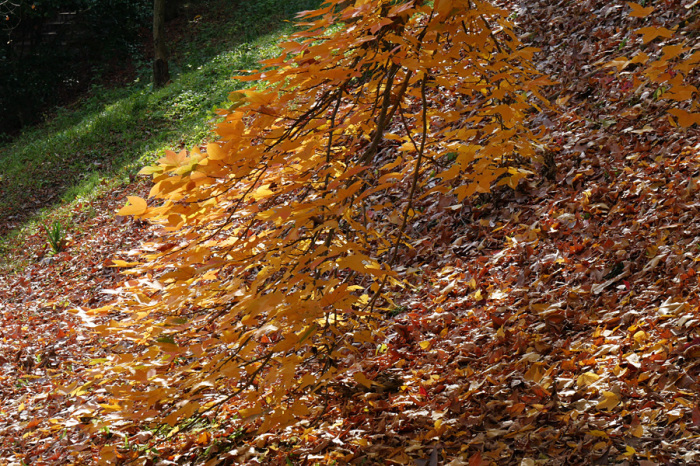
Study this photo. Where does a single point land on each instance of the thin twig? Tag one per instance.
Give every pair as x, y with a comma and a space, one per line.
382, 119
409, 205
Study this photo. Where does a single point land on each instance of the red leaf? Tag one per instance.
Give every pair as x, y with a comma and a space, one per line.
475, 459
696, 417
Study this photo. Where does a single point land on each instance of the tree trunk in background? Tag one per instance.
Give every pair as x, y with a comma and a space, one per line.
160, 59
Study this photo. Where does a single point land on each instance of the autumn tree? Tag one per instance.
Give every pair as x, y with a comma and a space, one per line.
282, 240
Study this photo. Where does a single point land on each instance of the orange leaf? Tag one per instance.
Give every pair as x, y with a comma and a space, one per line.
33, 423
609, 401
650, 33
685, 119
638, 11
203, 438
362, 379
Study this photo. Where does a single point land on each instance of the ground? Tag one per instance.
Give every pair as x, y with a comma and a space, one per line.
552, 324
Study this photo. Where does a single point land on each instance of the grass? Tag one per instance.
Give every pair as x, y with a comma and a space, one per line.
101, 142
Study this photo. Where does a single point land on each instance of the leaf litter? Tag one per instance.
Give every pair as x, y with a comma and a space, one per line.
557, 323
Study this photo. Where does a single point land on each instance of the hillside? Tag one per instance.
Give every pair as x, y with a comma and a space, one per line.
554, 323
101, 140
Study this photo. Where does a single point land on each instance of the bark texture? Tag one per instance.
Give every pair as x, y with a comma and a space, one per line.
161, 75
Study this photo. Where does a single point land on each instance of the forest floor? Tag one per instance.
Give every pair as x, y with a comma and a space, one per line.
555, 324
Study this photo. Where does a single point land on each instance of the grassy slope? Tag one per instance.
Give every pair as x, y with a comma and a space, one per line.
99, 143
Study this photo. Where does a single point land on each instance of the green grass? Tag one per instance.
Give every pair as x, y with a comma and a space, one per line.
101, 142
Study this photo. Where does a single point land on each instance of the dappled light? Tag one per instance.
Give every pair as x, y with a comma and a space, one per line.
450, 232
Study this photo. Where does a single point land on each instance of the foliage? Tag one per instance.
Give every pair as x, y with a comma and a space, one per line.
55, 237
282, 242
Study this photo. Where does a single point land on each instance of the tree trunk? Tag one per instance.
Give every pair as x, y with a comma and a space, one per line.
161, 76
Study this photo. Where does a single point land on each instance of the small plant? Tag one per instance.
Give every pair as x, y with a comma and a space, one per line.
55, 237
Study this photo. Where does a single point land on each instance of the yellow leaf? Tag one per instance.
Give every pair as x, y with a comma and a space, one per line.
674, 415
151, 170
587, 379
238, 99
535, 373
640, 336
640, 58
361, 441
629, 453
425, 344
637, 431
638, 11
609, 401
111, 407
121, 263
173, 159
261, 192
299, 409
136, 206
672, 51
307, 380
362, 379
680, 93
354, 262
598, 433
82, 390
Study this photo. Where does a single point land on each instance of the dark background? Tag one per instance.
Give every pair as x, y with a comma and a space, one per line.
52, 50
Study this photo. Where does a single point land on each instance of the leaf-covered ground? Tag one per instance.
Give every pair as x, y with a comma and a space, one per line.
554, 324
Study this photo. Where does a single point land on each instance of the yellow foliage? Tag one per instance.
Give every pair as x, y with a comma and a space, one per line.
281, 237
